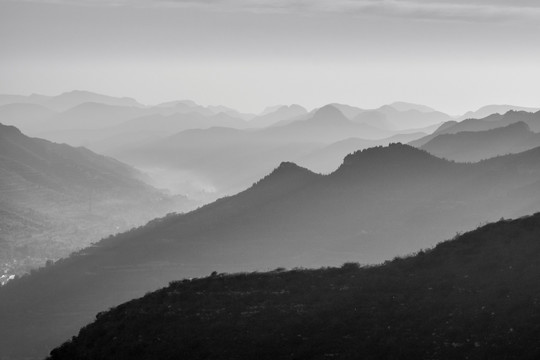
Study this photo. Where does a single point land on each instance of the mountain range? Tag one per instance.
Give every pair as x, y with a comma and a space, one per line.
55, 199
381, 202
494, 109
229, 160
474, 146
68, 100
473, 297
488, 123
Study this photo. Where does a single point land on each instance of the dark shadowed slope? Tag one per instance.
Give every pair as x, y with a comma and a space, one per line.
475, 146
381, 202
55, 199
473, 297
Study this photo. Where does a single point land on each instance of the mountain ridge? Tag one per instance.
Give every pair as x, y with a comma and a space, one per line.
371, 213
469, 297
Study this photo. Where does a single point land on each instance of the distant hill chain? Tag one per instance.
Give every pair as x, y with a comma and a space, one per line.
285, 188
55, 199
381, 202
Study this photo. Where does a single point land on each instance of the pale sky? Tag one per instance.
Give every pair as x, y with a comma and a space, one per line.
454, 55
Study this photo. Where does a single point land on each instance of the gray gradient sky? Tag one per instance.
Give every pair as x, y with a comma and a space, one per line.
454, 55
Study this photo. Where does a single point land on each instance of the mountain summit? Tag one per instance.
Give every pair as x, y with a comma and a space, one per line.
329, 114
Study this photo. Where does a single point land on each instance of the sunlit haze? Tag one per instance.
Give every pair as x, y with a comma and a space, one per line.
364, 53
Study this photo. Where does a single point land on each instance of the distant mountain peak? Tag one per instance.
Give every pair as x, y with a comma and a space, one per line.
292, 107
287, 166
296, 106
329, 113
487, 110
286, 171
406, 106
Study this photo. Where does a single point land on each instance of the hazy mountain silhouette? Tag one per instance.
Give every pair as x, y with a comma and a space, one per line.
92, 115
494, 109
471, 297
171, 124
189, 106
283, 113
217, 109
491, 122
349, 111
55, 199
220, 160
184, 107
475, 146
270, 109
68, 100
229, 160
380, 203
395, 116
327, 124
390, 118
329, 158
406, 106
25, 116
131, 131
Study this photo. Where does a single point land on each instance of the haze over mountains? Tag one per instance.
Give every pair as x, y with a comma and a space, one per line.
108, 111
490, 122
475, 146
370, 205
381, 202
68, 100
55, 199
229, 160
494, 109
137, 134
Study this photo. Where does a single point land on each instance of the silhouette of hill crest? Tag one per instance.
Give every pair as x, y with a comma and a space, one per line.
394, 153
327, 114
471, 297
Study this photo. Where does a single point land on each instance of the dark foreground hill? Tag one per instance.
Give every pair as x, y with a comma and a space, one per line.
380, 203
474, 297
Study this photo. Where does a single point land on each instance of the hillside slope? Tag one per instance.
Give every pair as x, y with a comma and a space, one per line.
475, 146
474, 297
55, 199
484, 124
381, 202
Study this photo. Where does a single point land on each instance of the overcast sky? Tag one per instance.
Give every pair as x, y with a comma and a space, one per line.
454, 55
